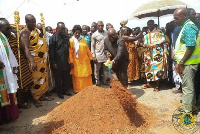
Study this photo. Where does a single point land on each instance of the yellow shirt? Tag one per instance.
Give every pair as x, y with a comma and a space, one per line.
82, 66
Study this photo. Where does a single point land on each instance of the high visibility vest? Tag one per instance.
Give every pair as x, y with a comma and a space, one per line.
180, 49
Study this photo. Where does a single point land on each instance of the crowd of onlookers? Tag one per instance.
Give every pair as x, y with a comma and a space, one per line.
57, 61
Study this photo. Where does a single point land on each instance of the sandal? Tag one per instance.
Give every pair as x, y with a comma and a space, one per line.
146, 86
47, 98
156, 89
24, 106
38, 104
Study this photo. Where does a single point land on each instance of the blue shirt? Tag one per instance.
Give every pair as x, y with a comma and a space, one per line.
197, 23
175, 34
87, 39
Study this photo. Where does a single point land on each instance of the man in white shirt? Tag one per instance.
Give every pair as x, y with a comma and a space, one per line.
97, 49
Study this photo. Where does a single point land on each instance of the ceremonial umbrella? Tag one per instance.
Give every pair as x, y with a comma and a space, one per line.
157, 8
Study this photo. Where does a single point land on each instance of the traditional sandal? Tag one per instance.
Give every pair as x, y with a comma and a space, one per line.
47, 98
24, 106
146, 86
156, 89
38, 104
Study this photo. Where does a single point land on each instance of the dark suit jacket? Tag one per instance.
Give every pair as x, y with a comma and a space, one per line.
117, 50
59, 51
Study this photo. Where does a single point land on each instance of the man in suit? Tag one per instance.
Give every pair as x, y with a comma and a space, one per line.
114, 47
59, 54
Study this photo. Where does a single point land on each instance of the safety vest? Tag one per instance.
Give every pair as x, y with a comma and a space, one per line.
180, 49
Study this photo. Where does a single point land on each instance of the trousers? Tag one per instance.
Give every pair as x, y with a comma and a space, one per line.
97, 67
189, 97
62, 80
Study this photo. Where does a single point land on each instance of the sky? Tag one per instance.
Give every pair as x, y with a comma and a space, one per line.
82, 12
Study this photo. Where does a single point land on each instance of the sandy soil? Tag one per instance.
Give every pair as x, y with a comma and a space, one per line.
162, 103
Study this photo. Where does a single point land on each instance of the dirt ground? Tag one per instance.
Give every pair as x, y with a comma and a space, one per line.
163, 103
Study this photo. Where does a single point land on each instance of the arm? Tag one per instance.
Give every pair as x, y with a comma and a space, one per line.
120, 52
129, 38
12, 58
25, 43
190, 42
71, 52
106, 51
52, 54
89, 53
93, 42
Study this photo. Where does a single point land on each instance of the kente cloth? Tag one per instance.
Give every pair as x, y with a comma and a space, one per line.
155, 59
26, 74
81, 72
140, 51
8, 80
133, 66
38, 50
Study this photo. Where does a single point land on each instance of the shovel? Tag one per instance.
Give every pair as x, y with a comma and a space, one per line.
111, 74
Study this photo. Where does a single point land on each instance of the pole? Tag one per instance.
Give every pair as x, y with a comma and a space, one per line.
45, 41
158, 18
17, 20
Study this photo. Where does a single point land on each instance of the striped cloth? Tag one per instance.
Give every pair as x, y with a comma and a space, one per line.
27, 78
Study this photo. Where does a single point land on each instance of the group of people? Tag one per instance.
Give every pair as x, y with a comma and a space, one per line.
48, 61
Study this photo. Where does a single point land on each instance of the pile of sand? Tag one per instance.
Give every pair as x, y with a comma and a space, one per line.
99, 110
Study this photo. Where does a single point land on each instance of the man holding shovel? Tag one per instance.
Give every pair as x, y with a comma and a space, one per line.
115, 49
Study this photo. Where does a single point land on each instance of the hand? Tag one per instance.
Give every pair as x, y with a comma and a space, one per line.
72, 65
140, 35
179, 69
15, 70
145, 46
108, 55
33, 66
111, 63
55, 66
2, 65
95, 60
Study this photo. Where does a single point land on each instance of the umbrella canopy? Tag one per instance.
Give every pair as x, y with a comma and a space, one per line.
157, 8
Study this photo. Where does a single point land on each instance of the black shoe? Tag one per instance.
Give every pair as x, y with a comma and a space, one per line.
67, 93
61, 96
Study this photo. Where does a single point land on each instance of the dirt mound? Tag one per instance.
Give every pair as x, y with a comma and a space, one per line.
99, 110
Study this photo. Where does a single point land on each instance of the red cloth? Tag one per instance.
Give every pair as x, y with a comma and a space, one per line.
9, 112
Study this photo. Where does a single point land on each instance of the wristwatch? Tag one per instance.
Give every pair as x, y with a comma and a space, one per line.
181, 62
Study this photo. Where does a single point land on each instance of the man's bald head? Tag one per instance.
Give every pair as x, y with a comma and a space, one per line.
29, 17
3, 21
5, 26
112, 35
30, 21
180, 16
